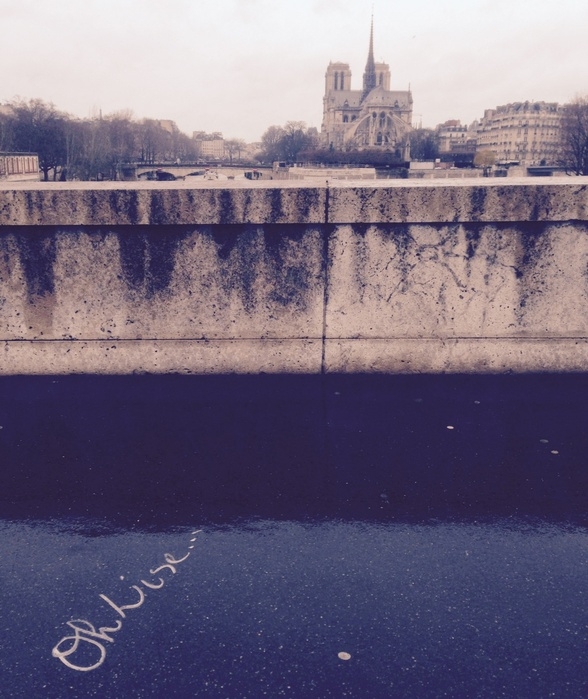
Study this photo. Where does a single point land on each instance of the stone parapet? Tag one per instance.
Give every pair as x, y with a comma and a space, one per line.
389, 277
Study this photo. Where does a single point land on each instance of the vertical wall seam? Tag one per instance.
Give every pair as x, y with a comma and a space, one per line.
326, 235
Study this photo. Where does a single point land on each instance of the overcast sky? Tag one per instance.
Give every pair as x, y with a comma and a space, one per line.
239, 66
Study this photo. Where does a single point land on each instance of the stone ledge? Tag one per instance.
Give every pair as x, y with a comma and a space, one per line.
159, 206
161, 357
387, 356
457, 356
384, 201
467, 202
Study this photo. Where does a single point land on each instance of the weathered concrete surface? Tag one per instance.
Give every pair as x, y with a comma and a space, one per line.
158, 204
206, 282
461, 201
390, 277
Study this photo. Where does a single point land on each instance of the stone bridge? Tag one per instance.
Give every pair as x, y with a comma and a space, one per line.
393, 277
175, 170
181, 171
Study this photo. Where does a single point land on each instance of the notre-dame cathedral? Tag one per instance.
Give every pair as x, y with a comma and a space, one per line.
374, 117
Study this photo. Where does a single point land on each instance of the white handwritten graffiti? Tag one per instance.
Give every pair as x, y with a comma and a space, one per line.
89, 641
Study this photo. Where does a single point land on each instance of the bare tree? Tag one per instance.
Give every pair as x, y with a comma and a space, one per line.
40, 128
234, 146
296, 139
485, 159
271, 144
574, 137
96, 158
231, 148
6, 128
423, 145
287, 142
153, 141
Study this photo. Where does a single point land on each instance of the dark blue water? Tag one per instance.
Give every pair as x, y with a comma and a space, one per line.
307, 536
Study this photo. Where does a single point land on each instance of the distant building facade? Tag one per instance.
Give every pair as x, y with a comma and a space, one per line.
456, 142
210, 145
167, 125
452, 136
374, 117
526, 133
16, 167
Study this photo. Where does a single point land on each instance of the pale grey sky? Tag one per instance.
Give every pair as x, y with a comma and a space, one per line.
239, 66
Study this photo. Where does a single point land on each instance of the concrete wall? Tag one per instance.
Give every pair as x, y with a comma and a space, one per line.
390, 277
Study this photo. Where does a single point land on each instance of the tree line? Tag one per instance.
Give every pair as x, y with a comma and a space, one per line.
93, 148
296, 142
97, 147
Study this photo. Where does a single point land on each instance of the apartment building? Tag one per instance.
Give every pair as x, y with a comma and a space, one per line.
526, 133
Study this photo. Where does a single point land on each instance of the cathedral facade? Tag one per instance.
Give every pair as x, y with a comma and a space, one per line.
374, 117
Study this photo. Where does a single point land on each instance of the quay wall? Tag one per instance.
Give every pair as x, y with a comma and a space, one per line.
390, 277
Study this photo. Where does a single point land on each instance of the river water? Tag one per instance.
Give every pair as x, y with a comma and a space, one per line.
301, 537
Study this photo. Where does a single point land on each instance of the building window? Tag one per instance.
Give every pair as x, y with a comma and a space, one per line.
336, 81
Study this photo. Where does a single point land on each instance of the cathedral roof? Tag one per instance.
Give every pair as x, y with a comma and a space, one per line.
339, 97
379, 97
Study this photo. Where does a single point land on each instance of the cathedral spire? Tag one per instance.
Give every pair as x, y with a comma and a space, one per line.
369, 75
